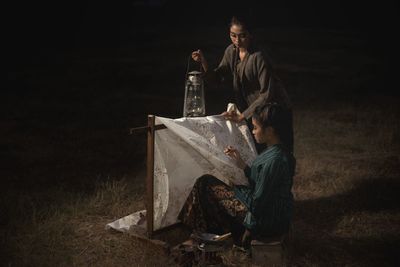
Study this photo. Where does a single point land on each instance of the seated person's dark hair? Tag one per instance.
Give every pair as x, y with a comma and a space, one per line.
276, 116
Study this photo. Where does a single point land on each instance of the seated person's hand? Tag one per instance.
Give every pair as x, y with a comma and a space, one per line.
232, 116
235, 155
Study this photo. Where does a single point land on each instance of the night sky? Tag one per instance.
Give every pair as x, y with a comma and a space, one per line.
46, 27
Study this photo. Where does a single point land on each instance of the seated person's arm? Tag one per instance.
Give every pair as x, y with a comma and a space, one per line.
263, 188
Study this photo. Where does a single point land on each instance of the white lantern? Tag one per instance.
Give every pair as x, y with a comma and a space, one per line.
194, 102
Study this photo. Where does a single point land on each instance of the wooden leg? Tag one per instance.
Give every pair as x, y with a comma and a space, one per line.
150, 175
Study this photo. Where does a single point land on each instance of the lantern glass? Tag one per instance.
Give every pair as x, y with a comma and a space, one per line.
194, 103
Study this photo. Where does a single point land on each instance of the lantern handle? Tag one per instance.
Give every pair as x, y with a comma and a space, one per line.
188, 65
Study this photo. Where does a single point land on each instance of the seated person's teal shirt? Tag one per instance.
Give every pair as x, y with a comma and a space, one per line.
268, 197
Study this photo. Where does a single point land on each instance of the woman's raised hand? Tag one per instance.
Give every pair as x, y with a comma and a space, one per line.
233, 116
235, 155
198, 56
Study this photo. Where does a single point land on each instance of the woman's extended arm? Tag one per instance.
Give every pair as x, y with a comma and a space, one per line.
220, 72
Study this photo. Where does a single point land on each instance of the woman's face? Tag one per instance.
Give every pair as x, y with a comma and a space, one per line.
239, 36
260, 134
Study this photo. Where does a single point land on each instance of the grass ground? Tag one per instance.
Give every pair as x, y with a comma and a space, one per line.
70, 167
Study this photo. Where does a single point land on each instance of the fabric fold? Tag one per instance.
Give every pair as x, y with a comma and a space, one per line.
189, 148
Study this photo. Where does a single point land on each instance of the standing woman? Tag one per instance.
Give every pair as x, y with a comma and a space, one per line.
253, 79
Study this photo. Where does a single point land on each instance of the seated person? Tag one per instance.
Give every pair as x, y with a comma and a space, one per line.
264, 207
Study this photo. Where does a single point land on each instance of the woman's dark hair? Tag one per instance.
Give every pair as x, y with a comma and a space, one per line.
279, 118
242, 20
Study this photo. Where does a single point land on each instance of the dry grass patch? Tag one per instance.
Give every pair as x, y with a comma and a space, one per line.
346, 190
346, 187
73, 234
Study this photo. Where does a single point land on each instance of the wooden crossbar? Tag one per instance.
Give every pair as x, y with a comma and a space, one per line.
144, 129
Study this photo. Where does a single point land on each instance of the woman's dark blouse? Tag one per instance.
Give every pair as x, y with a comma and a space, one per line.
254, 83
268, 197
253, 79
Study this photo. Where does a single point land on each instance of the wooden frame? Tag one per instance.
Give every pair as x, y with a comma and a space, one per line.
150, 175
150, 130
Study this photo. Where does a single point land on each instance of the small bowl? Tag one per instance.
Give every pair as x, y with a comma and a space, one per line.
207, 238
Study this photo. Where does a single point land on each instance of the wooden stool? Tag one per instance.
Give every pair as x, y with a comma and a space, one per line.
268, 252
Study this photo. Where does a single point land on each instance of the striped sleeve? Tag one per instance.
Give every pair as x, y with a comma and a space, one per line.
263, 188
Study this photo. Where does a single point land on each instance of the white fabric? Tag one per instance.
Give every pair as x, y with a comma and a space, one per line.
134, 223
189, 148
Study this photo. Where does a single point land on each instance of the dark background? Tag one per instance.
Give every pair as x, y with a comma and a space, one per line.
49, 27
76, 68
79, 74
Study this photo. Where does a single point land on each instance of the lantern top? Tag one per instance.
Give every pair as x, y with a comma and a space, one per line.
195, 72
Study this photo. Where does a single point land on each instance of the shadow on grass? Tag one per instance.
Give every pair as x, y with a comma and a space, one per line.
359, 226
